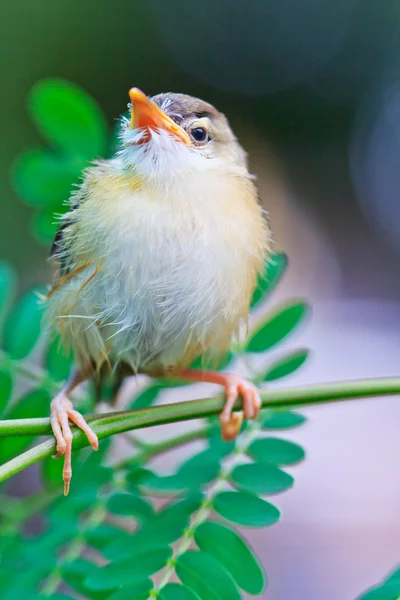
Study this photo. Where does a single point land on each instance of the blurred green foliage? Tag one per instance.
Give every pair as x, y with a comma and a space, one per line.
74, 126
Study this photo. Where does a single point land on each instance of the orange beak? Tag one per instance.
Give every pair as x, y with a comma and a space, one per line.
147, 115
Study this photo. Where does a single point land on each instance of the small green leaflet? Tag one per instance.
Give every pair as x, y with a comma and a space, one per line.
204, 574
130, 505
246, 509
138, 591
69, 118
101, 535
233, 553
280, 419
128, 572
388, 590
277, 326
276, 451
385, 592
285, 366
166, 526
193, 473
261, 479
274, 269
22, 326
175, 591
44, 226
74, 574
43, 178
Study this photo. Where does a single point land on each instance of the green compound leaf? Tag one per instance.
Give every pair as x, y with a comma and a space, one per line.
22, 327
280, 419
69, 118
278, 326
130, 505
261, 479
6, 385
246, 509
202, 573
58, 361
33, 404
276, 451
275, 267
8, 282
44, 178
233, 553
286, 366
175, 591
128, 572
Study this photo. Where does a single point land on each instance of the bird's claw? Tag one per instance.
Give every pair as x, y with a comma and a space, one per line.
231, 422
61, 412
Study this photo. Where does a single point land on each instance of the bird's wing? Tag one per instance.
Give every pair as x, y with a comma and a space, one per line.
58, 250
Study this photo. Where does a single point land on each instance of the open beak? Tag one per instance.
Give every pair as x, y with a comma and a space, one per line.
147, 115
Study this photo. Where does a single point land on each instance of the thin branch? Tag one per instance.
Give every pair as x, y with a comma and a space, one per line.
118, 422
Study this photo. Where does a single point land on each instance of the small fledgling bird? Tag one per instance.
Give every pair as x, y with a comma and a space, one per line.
158, 257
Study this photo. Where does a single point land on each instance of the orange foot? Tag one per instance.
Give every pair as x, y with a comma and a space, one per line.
61, 411
235, 386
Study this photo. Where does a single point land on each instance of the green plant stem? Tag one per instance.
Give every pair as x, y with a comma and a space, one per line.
112, 423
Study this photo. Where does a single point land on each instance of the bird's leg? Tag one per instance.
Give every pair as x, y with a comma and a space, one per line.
235, 386
61, 412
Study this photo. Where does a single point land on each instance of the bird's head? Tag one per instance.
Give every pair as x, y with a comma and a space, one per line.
171, 132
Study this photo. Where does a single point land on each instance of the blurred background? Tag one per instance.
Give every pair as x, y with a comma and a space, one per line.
312, 89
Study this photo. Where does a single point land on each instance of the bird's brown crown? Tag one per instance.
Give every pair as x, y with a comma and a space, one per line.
182, 107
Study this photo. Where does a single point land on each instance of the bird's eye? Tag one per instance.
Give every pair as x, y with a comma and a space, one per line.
200, 135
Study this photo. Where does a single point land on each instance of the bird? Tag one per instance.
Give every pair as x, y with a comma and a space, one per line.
157, 258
